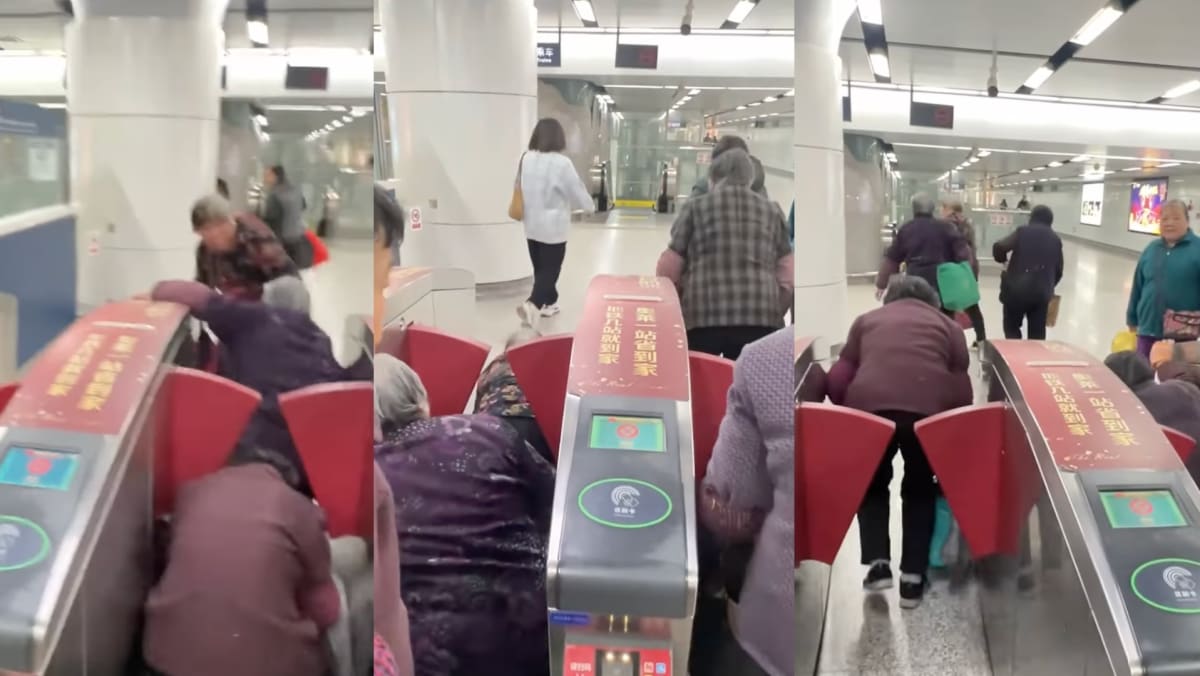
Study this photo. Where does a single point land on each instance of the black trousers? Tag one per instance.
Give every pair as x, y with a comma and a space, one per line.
528, 430
1031, 313
725, 341
547, 262
918, 493
976, 316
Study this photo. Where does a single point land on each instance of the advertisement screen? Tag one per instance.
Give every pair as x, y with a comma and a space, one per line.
1146, 200
1142, 509
627, 433
1093, 204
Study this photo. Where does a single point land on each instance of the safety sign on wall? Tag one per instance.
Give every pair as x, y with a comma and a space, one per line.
414, 219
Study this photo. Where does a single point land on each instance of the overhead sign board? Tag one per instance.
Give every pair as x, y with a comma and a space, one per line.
931, 115
637, 56
549, 54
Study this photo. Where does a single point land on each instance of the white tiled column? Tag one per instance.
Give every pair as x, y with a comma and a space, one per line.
821, 303
144, 99
462, 95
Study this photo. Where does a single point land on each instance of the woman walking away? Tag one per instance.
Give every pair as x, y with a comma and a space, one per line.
1032, 257
904, 361
551, 190
1165, 299
952, 211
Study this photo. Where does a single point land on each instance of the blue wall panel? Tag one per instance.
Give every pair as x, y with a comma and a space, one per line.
37, 265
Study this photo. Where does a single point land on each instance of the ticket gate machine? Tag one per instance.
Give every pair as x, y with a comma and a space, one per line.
76, 447
622, 569
1115, 505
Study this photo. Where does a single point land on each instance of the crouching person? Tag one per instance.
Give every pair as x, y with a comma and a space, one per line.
248, 589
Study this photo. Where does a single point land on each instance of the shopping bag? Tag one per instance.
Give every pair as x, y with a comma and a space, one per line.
1052, 311
1124, 341
957, 285
319, 250
943, 529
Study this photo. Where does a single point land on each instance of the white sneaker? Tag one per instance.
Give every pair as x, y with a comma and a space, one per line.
550, 310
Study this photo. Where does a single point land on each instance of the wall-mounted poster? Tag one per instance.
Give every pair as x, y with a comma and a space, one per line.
1146, 199
1092, 205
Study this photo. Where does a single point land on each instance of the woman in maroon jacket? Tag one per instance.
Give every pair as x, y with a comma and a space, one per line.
904, 361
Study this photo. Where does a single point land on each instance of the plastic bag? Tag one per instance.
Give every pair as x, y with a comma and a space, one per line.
1124, 341
945, 546
320, 251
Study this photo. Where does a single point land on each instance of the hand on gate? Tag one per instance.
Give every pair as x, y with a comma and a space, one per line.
879, 294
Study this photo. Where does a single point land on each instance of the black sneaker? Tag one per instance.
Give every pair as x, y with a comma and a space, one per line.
878, 578
912, 593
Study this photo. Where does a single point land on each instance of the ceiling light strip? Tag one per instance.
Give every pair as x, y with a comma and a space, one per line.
1092, 29
737, 16
875, 40
586, 13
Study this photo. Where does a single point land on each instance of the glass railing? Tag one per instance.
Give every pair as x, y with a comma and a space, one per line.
33, 157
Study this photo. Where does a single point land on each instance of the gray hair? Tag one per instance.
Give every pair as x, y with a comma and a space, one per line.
1181, 205
922, 205
733, 167
400, 397
287, 292
209, 209
905, 287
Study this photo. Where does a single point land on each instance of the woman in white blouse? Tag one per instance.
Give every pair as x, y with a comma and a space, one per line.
551, 190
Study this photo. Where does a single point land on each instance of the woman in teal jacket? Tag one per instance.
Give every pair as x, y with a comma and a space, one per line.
1167, 277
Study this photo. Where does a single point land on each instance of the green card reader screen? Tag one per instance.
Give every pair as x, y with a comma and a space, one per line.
1142, 509
628, 433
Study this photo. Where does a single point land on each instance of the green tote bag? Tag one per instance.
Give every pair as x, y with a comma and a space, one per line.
957, 285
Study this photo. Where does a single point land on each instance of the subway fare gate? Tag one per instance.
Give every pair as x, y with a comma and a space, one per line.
97, 438
622, 569
1111, 494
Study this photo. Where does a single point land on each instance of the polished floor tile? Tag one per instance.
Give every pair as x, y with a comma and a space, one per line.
626, 243
342, 287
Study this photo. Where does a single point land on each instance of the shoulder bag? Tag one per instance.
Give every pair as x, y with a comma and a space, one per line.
516, 207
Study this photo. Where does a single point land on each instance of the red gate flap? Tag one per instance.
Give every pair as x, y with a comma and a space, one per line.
7, 390
1184, 445
840, 449
541, 368
206, 415
333, 426
964, 448
447, 365
711, 379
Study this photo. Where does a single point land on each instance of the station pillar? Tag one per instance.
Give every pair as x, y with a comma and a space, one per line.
143, 95
461, 103
821, 299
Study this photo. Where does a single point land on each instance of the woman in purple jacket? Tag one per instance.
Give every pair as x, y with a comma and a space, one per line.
748, 495
904, 361
473, 504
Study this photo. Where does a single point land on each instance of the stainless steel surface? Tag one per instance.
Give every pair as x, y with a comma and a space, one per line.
1106, 623
812, 597
89, 612
8, 337
812, 577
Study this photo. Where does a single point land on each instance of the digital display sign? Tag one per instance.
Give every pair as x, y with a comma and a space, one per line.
36, 468
1092, 206
931, 115
1142, 509
637, 56
306, 77
1146, 200
627, 433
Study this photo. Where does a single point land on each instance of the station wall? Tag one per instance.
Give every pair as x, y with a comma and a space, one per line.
1113, 230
